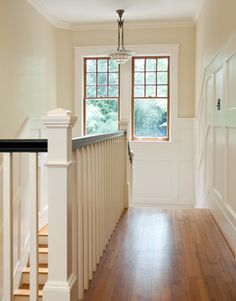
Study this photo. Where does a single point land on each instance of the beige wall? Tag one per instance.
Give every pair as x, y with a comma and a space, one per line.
215, 25
28, 65
27, 72
184, 36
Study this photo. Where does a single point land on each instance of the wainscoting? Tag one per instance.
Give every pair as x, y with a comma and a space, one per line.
216, 151
164, 171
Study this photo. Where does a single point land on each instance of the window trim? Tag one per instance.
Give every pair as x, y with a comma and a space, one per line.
143, 139
98, 98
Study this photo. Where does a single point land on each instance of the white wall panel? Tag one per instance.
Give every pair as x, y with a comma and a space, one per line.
232, 86
219, 160
164, 172
231, 170
216, 151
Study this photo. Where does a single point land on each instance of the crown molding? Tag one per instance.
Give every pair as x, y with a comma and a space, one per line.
54, 20
199, 10
48, 15
131, 25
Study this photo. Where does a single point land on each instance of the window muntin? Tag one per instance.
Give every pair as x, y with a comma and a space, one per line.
101, 96
150, 98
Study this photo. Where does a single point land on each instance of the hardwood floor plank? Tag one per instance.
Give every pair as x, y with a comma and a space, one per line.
165, 255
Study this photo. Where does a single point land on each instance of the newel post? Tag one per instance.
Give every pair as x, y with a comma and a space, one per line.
62, 282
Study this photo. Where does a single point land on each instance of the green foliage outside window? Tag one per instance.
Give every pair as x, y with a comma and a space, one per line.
101, 116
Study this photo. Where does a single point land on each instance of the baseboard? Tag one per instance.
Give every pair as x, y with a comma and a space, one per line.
159, 205
224, 218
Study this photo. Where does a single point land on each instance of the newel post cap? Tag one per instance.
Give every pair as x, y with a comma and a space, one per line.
59, 118
59, 112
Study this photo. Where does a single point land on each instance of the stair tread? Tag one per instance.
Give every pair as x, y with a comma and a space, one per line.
41, 270
26, 292
25, 286
43, 250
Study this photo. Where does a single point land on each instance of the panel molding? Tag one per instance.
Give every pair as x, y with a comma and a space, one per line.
215, 171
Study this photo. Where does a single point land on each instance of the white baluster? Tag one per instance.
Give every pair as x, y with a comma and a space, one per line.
33, 176
93, 207
85, 216
80, 195
8, 227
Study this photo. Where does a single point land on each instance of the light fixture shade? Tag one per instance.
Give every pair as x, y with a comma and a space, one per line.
120, 55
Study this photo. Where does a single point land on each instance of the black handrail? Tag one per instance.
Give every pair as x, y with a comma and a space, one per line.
41, 145
23, 146
80, 142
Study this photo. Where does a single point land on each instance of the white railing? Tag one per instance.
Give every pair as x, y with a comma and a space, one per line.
102, 197
88, 191
10, 147
89, 186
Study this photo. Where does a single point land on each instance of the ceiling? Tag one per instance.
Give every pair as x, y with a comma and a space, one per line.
103, 11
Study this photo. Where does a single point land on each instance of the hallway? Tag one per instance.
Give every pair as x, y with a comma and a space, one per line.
162, 254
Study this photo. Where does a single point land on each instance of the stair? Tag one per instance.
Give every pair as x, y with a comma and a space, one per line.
22, 294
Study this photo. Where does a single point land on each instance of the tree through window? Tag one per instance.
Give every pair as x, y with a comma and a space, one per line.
101, 96
150, 98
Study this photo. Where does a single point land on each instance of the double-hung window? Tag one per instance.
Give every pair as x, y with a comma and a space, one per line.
101, 96
150, 98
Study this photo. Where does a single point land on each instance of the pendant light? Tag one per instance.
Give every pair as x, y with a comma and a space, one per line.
120, 55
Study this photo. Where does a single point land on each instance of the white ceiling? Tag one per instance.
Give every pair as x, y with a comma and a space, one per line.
103, 11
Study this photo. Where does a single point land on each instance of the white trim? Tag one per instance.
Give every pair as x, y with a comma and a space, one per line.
224, 218
56, 22
168, 206
48, 15
199, 11
220, 56
162, 49
131, 25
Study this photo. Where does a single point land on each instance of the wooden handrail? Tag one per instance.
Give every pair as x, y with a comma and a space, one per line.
41, 145
87, 140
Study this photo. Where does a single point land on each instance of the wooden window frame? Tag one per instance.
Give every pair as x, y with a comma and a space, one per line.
133, 137
99, 98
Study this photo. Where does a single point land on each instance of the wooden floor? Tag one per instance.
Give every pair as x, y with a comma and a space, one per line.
165, 255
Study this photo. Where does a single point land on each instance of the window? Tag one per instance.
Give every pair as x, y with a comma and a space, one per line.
101, 96
150, 98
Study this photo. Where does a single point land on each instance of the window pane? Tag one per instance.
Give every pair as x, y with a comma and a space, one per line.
113, 66
91, 91
101, 116
151, 64
138, 91
150, 91
102, 79
113, 79
102, 65
139, 78
102, 91
162, 91
91, 78
113, 91
150, 118
162, 78
150, 78
139, 64
91, 65
162, 64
